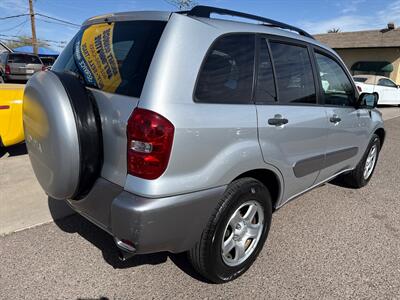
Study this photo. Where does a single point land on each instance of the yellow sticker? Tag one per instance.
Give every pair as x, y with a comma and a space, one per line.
99, 60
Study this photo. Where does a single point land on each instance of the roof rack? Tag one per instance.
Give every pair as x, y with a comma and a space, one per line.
206, 11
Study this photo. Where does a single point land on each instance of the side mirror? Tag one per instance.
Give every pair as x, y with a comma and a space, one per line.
367, 100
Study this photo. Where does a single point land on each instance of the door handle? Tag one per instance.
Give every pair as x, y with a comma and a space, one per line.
277, 120
335, 119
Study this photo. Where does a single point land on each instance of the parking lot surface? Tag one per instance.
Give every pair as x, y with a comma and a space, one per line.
331, 243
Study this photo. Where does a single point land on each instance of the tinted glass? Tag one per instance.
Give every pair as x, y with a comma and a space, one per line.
113, 57
227, 73
386, 82
23, 59
294, 73
336, 86
3, 57
265, 89
360, 79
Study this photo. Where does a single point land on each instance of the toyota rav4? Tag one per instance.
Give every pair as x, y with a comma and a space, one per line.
181, 132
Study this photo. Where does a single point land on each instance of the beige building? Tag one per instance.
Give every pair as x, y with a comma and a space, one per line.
368, 52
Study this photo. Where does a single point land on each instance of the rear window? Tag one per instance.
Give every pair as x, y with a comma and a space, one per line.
23, 59
113, 57
360, 79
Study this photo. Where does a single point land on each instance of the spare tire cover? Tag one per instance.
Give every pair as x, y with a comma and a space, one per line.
62, 133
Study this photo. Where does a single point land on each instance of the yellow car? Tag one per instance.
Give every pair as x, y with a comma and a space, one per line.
11, 129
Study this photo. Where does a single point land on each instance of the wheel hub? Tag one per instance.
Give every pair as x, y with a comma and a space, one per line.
242, 233
370, 162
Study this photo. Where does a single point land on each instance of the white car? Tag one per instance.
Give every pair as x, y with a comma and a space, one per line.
388, 91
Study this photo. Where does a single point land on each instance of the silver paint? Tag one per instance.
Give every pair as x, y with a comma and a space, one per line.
51, 135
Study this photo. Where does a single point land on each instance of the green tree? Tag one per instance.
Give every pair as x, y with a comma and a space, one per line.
21, 41
182, 4
334, 30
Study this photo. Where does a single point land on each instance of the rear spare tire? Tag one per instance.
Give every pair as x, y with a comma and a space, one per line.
63, 134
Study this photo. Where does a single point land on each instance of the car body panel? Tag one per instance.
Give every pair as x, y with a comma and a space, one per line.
302, 139
346, 140
11, 128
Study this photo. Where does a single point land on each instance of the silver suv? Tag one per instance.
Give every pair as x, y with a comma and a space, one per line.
19, 66
181, 132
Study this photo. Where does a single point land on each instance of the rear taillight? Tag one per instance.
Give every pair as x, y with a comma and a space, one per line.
43, 68
150, 137
359, 88
7, 70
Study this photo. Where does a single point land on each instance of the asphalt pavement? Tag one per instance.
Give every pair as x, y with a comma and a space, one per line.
331, 243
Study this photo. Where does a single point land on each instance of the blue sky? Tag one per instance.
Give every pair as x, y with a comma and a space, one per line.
315, 16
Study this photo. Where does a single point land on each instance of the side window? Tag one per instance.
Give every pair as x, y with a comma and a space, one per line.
265, 88
386, 82
227, 73
336, 86
294, 74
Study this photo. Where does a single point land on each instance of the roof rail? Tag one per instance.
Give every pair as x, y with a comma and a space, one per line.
206, 11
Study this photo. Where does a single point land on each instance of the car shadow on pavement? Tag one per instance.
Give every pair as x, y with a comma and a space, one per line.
105, 243
340, 182
15, 150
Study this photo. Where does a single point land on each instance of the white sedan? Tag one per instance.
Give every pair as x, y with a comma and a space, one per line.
388, 91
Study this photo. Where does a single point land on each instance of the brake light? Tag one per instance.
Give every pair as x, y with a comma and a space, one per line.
7, 70
43, 68
150, 137
359, 88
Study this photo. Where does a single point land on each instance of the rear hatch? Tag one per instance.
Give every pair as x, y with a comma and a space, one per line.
24, 64
112, 59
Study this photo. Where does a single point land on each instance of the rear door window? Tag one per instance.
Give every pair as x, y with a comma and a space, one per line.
294, 73
23, 59
227, 72
265, 88
113, 57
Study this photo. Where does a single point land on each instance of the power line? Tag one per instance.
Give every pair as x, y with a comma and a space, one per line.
44, 16
22, 27
59, 20
58, 23
16, 16
16, 26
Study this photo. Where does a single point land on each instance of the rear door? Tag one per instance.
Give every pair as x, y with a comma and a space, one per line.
348, 126
292, 125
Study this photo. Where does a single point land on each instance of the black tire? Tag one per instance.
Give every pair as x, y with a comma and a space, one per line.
355, 179
88, 125
206, 256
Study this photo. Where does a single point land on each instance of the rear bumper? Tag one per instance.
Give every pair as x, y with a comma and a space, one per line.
171, 224
18, 77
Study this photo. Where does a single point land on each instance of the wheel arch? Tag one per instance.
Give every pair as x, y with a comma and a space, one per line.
380, 132
270, 179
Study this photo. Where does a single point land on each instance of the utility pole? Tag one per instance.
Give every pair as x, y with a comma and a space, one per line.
34, 40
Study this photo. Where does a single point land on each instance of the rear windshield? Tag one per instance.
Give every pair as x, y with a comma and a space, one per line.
23, 59
360, 79
113, 57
